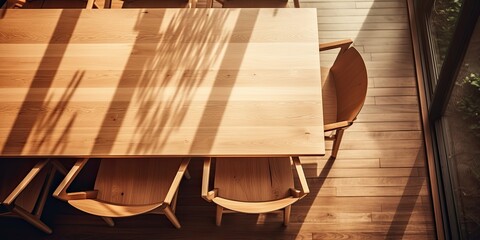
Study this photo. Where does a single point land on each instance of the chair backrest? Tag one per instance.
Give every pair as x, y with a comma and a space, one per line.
253, 179
62, 4
155, 3
351, 82
257, 3
135, 181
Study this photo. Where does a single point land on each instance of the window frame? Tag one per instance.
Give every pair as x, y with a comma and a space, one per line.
438, 95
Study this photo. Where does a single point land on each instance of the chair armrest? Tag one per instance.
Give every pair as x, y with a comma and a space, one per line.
176, 180
25, 181
205, 178
301, 176
337, 125
81, 195
61, 191
344, 44
295, 193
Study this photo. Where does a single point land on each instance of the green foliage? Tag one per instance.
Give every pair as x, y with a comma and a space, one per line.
469, 103
444, 20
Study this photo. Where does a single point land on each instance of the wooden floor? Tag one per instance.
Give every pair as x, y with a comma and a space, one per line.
377, 188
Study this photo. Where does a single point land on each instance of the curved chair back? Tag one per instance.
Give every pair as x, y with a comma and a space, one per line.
135, 181
257, 3
254, 185
351, 83
159, 3
128, 187
253, 179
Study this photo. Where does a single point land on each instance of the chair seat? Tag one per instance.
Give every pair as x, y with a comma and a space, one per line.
136, 182
104, 209
128, 187
255, 4
155, 4
255, 207
254, 185
62, 4
253, 179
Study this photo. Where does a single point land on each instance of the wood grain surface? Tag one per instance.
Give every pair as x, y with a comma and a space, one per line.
377, 188
160, 82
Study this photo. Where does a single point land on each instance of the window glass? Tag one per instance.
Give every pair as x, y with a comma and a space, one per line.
443, 19
462, 118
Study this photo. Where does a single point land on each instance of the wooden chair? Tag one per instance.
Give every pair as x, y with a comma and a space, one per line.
159, 3
24, 188
255, 3
48, 4
344, 87
253, 185
128, 187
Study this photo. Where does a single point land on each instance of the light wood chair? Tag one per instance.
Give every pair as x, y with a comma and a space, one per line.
49, 4
128, 187
24, 187
255, 3
344, 90
253, 185
159, 3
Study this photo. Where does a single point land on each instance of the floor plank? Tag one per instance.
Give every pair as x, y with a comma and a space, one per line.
375, 189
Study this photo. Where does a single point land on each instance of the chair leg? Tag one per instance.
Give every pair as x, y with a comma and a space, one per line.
109, 221
31, 219
286, 215
171, 216
174, 201
219, 215
43, 197
336, 142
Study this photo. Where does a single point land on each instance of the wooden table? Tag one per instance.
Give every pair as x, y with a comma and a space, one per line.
163, 82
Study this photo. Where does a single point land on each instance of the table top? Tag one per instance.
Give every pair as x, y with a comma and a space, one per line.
160, 82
